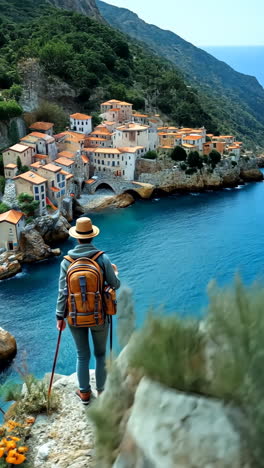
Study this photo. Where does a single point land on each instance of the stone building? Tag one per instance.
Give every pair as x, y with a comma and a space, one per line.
33, 184
133, 134
10, 171
81, 123
42, 127
24, 152
116, 111
12, 223
56, 182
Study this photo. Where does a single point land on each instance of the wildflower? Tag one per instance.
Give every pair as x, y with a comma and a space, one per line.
15, 458
2, 451
22, 449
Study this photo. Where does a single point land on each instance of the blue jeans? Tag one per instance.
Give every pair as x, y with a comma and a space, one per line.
81, 337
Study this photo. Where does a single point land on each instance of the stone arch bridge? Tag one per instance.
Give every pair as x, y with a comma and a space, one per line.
119, 186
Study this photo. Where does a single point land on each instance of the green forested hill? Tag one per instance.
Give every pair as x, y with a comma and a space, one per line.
100, 63
90, 56
237, 100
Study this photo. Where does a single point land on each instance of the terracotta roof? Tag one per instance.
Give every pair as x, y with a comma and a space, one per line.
51, 167
85, 159
10, 166
11, 216
90, 181
64, 161
124, 103
18, 148
43, 136
115, 109
66, 154
90, 149
95, 138
40, 156
30, 138
112, 101
109, 122
54, 189
32, 177
140, 115
67, 174
166, 147
192, 137
107, 150
78, 116
35, 164
42, 125
130, 149
187, 145
132, 127
60, 135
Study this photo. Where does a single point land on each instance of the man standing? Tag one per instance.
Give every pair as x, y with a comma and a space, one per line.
84, 232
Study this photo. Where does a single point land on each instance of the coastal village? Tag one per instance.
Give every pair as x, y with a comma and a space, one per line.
57, 168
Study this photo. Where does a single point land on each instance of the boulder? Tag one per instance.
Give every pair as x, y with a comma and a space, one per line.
8, 347
9, 269
251, 175
52, 228
33, 247
173, 429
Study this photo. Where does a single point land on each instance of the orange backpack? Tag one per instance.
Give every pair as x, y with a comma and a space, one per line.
88, 301
84, 290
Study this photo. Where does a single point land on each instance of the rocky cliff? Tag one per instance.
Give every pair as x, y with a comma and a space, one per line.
11, 131
86, 7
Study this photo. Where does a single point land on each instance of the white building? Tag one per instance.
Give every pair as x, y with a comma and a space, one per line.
12, 222
196, 140
117, 111
118, 162
81, 123
133, 134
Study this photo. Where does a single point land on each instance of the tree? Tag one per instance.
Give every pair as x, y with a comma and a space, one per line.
2, 184
194, 160
15, 92
214, 157
9, 109
2, 171
4, 207
51, 112
178, 154
27, 204
96, 119
151, 155
19, 165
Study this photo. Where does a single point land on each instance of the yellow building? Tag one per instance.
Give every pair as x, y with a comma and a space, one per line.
24, 152
11, 224
56, 182
34, 185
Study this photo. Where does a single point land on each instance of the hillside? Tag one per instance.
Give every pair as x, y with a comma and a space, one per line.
97, 62
235, 98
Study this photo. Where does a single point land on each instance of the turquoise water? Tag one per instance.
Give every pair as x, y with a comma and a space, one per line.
244, 59
167, 250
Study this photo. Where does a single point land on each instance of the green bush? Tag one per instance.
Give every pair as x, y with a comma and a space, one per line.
178, 154
51, 112
190, 170
150, 155
171, 351
15, 92
214, 157
194, 160
9, 109
2, 184
183, 166
27, 204
4, 207
234, 163
126, 317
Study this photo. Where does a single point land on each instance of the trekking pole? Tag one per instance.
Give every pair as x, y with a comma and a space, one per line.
54, 362
2, 411
111, 336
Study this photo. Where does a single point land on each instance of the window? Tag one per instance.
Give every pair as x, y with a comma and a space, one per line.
36, 197
43, 196
63, 192
113, 163
129, 157
42, 188
108, 163
123, 172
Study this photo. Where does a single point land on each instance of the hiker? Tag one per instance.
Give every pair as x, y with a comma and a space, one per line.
84, 232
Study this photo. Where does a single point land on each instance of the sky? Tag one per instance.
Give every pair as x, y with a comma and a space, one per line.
204, 22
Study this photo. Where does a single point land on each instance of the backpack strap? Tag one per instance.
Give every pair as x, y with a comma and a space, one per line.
67, 257
97, 255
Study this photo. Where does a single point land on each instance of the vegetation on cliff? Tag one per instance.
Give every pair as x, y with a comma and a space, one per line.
99, 62
234, 100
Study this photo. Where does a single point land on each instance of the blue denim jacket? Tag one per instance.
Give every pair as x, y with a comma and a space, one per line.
83, 250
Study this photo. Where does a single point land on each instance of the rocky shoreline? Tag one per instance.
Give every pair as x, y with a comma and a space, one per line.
35, 244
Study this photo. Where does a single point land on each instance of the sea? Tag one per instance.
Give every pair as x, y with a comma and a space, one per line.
244, 59
167, 251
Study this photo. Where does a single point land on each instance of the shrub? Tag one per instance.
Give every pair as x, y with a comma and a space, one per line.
15, 92
178, 154
236, 326
9, 109
183, 166
234, 163
27, 204
2, 171
214, 157
48, 112
150, 155
4, 207
2, 184
106, 414
171, 351
190, 170
194, 160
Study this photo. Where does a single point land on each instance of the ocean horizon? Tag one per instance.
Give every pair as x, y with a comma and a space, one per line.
244, 59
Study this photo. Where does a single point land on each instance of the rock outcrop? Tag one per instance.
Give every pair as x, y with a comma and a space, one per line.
8, 347
85, 7
251, 175
100, 203
52, 228
9, 266
11, 131
33, 247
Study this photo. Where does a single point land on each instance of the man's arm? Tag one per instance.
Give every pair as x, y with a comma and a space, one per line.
62, 299
110, 275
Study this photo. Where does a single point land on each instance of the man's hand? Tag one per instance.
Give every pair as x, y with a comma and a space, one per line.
60, 324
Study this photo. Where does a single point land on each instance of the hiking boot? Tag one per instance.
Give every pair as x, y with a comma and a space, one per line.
85, 397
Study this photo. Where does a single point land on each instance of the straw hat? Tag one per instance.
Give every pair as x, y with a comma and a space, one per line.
84, 229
